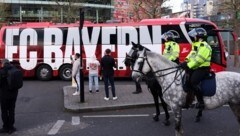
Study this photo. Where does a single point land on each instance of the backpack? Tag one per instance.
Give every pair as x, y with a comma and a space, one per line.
14, 78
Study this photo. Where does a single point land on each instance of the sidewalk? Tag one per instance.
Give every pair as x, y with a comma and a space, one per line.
95, 101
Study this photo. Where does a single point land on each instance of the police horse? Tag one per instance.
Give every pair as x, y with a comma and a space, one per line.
170, 79
152, 83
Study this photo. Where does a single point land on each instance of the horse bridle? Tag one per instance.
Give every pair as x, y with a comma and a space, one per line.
145, 58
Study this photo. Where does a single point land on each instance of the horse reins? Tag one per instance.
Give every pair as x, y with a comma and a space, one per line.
161, 70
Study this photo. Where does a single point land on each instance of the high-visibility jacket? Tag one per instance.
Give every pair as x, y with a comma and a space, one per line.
200, 56
171, 50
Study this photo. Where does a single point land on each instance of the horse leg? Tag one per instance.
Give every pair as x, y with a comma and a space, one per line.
177, 117
164, 105
199, 115
156, 103
236, 110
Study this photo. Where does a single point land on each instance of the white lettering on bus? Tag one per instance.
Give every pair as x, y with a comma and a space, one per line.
90, 45
26, 63
53, 46
106, 34
55, 53
72, 42
11, 49
145, 38
122, 47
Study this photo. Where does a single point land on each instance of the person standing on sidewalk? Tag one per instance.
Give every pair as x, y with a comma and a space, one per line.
76, 72
8, 97
93, 73
107, 64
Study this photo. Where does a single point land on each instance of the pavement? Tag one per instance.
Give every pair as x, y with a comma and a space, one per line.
94, 101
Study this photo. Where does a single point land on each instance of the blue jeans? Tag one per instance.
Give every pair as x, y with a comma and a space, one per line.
108, 79
93, 77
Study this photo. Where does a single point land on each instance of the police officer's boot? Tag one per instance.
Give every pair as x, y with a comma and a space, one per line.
200, 104
138, 88
189, 99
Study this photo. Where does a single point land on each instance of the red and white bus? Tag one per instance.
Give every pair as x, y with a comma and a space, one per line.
43, 49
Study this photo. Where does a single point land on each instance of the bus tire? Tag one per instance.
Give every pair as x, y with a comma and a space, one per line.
65, 72
44, 72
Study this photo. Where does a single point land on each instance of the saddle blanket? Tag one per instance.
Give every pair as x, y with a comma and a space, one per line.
208, 85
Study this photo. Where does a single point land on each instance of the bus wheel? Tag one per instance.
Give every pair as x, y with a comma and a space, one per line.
44, 72
65, 72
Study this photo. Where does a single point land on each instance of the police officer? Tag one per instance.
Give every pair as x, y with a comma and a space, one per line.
171, 50
198, 62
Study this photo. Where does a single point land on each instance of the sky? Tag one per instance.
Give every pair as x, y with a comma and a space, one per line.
176, 5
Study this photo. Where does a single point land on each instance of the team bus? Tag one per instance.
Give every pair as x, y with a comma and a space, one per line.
43, 49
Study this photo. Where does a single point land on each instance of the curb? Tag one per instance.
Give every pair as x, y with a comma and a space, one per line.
69, 108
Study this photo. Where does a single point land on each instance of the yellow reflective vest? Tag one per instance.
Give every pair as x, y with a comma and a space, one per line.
200, 55
171, 50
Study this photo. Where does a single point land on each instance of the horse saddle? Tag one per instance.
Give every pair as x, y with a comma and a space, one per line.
208, 85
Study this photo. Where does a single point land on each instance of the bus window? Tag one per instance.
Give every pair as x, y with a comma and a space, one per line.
212, 40
228, 41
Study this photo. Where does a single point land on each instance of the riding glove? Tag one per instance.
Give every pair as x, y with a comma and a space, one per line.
184, 65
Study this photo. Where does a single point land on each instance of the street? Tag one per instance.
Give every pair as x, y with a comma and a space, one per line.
39, 111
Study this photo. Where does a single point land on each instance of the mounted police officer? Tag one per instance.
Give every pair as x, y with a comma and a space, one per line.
197, 63
171, 50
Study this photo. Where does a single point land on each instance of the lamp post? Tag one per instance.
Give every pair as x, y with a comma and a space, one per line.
81, 22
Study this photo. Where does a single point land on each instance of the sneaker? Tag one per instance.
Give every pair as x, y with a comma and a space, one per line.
97, 91
90, 91
115, 98
76, 93
106, 98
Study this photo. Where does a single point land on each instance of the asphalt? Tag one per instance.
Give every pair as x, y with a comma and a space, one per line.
94, 101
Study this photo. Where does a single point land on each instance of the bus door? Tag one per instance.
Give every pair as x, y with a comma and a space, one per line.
222, 42
229, 39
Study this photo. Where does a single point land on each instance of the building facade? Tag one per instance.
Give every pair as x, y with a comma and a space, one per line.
199, 8
56, 10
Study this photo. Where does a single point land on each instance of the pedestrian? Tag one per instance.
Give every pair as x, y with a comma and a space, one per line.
76, 72
107, 64
8, 97
198, 62
171, 50
93, 73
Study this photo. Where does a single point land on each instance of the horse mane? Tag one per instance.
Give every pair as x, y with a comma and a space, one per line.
164, 62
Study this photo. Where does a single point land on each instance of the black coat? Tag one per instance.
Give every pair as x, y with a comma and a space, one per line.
5, 93
107, 64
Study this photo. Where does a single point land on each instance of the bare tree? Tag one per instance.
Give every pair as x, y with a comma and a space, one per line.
146, 8
68, 10
4, 12
232, 9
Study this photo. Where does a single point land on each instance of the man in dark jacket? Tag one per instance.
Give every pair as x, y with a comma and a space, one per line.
7, 99
107, 64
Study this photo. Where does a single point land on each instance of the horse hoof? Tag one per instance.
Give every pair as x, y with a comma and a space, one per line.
166, 122
197, 119
156, 118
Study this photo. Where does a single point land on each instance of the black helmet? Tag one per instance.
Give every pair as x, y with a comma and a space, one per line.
168, 36
198, 33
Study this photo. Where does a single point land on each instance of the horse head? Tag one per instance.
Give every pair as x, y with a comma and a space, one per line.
132, 55
141, 68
